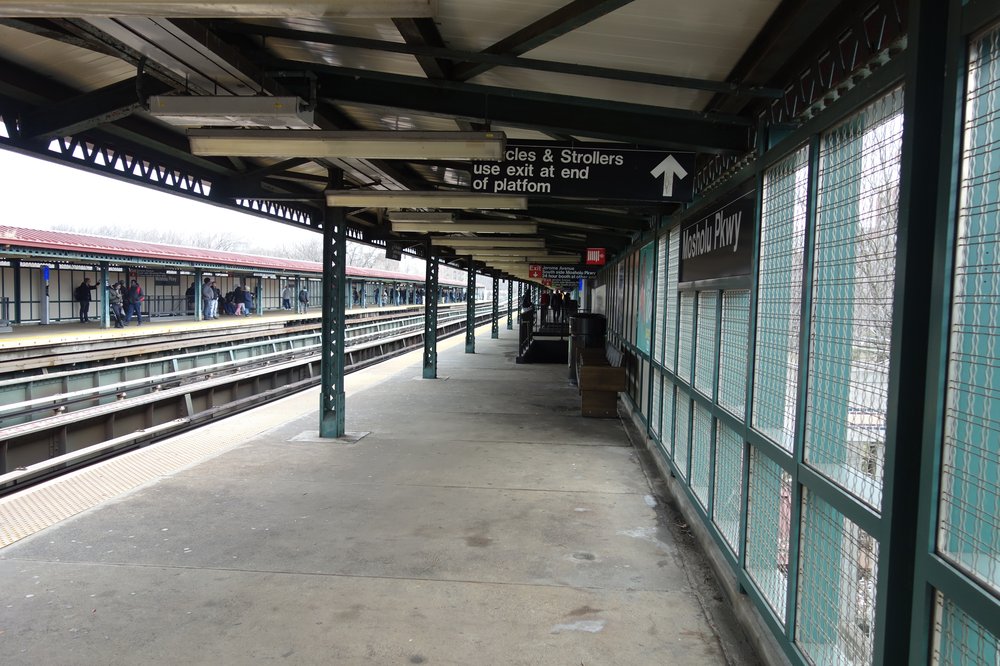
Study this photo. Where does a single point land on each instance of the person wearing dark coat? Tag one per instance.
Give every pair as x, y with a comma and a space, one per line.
83, 296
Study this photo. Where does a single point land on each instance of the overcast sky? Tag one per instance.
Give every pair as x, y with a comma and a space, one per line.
40, 195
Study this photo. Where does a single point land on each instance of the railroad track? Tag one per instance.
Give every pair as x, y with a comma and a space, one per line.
55, 422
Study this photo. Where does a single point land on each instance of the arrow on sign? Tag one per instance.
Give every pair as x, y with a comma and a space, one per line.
669, 168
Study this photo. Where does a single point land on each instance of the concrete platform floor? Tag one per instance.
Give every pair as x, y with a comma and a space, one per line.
482, 521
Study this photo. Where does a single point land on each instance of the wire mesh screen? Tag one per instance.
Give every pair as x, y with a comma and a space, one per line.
655, 400
779, 299
728, 489
686, 336
969, 531
682, 430
959, 640
854, 271
733, 351
769, 519
701, 453
662, 245
667, 418
670, 311
838, 574
705, 355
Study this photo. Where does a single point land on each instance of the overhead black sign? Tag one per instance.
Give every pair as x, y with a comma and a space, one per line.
393, 250
589, 170
720, 244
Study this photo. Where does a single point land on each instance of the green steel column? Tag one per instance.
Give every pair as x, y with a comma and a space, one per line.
495, 330
331, 418
15, 266
520, 294
430, 314
198, 310
470, 308
102, 290
510, 305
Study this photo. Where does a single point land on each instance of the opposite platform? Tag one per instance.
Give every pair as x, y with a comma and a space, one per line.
482, 521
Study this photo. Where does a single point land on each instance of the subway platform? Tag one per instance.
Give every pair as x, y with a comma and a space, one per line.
471, 519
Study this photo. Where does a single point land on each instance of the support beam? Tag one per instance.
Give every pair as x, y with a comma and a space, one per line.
510, 305
332, 395
103, 289
430, 313
495, 328
470, 307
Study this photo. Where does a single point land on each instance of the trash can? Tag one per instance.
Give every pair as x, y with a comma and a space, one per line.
586, 329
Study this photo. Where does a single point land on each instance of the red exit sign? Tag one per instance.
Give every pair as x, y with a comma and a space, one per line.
596, 256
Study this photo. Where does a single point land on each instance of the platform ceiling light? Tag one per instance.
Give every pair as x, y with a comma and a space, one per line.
460, 226
409, 199
345, 9
562, 260
384, 145
420, 216
485, 243
232, 111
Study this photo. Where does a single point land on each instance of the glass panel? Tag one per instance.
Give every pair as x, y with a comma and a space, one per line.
661, 295
705, 357
854, 271
686, 336
667, 428
682, 417
733, 351
670, 316
961, 641
969, 534
654, 407
838, 574
779, 299
769, 519
728, 484
701, 453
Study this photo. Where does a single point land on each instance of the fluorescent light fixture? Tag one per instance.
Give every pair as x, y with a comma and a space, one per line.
553, 259
418, 216
386, 145
486, 243
466, 227
409, 199
349, 9
231, 110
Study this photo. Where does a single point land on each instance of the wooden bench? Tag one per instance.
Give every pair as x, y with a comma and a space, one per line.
600, 376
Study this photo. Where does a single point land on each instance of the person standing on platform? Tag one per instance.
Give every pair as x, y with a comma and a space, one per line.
557, 307
544, 299
82, 294
247, 302
208, 300
288, 292
115, 303
133, 303
303, 301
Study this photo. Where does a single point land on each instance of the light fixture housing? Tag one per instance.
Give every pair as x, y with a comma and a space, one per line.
461, 242
347, 9
232, 111
410, 199
382, 145
420, 216
460, 226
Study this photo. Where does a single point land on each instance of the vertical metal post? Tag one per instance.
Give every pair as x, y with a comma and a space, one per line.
198, 310
510, 305
259, 297
15, 266
331, 418
430, 314
470, 308
102, 291
495, 330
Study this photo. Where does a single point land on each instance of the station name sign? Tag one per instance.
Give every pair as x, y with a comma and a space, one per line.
720, 244
587, 170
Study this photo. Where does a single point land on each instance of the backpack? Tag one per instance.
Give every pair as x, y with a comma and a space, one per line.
303, 296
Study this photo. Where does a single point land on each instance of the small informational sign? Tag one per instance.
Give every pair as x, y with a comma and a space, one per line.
720, 244
393, 250
535, 271
596, 256
45, 273
588, 170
